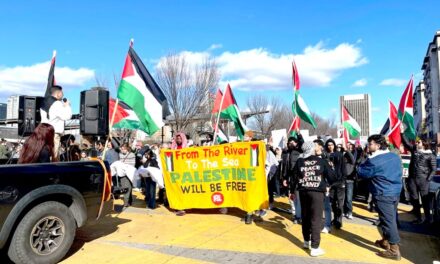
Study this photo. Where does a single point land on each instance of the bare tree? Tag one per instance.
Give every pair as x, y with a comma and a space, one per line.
187, 87
266, 122
280, 116
101, 80
324, 126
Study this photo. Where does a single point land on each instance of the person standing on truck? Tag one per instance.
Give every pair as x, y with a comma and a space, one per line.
39, 147
422, 168
55, 111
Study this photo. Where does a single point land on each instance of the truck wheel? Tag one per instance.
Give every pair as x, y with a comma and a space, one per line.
44, 235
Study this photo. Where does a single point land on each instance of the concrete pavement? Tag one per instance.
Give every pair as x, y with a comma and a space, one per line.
138, 235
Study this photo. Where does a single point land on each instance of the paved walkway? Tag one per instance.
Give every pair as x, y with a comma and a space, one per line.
138, 235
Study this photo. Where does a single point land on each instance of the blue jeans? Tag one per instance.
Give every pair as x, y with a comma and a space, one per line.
327, 212
348, 207
150, 193
297, 203
387, 208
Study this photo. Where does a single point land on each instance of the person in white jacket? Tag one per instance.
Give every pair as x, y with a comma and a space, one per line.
55, 111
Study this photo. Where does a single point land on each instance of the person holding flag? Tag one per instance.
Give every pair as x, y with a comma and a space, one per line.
422, 168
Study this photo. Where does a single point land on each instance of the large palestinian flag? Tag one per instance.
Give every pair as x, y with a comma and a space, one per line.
406, 111
350, 124
142, 94
228, 108
299, 106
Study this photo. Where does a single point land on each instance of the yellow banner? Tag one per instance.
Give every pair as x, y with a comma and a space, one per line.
228, 175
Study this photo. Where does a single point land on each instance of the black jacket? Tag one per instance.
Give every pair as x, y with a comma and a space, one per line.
350, 166
289, 158
152, 162
422, 164
337, 159
312, 174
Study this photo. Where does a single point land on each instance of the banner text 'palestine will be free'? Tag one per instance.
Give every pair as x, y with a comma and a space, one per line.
228, 175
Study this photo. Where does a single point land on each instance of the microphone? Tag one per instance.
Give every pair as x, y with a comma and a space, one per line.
64, 99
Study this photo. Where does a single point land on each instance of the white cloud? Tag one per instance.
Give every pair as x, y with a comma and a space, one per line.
259, 69
360, 83
393, 82
215, 46
32, 80
375, 109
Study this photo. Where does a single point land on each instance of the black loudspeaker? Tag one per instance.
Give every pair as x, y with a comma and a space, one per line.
28, 114
94, 112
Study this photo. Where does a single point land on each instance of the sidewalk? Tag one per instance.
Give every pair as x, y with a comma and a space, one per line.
206, 236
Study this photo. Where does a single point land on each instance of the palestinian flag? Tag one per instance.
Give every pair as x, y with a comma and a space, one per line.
142, 94
391, 129
169, 163
217, 101
345, 137
406, 111
125, 117
51, 79
254, 155
294, 127
221, 136
228, 109
350, 124
299, 106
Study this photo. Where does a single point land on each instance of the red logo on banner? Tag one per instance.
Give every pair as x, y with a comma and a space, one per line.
217, 198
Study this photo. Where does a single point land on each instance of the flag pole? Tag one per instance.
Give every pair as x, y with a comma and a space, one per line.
218, 117
113, 117
110, 128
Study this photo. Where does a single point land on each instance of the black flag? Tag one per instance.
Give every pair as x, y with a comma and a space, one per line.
51, 79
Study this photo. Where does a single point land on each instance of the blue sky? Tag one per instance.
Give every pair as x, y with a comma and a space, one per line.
341, 47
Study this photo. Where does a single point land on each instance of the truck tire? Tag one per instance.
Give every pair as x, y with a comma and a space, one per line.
44, 235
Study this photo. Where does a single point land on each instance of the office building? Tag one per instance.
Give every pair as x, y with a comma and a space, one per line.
12, 107
431, 80
419, 111
3, 108
359, 106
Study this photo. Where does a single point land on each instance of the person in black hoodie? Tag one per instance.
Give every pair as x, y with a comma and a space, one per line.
337, 190
422, 168
312, 174
150, 186
289, 158
350, 172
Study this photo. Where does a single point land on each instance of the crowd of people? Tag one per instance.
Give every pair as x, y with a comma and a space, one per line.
318, 176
